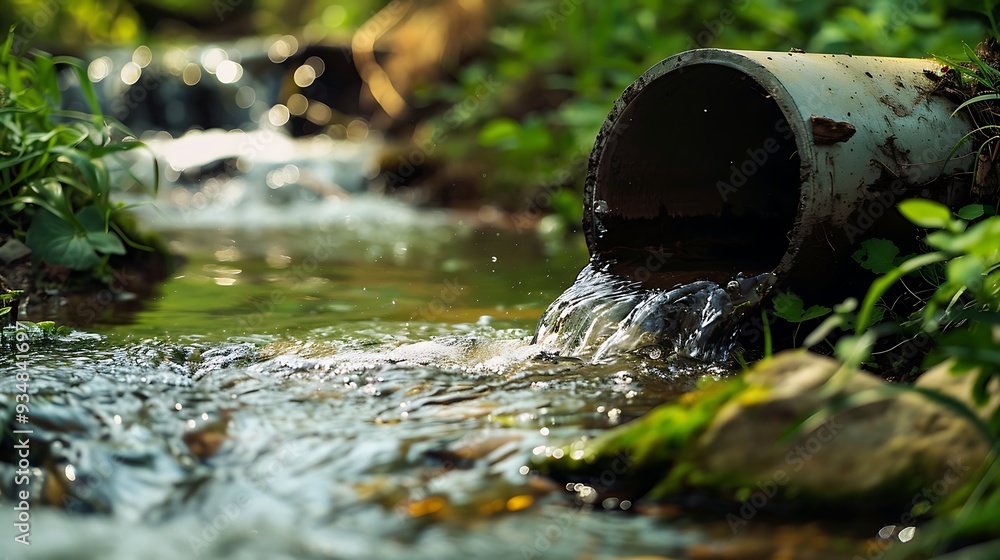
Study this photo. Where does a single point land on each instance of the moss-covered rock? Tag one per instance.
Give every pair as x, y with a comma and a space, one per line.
795, 430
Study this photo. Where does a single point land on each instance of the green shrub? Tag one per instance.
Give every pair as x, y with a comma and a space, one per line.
55, 189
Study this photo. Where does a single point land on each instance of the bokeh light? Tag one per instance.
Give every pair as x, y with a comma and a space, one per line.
282, 48
212, 58
297, 104
228, 72
304, 76
130, 73
245, 97
142, 56
278, 115
191, 74
100, 68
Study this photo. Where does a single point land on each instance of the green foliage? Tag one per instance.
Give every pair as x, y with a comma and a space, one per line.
8, 303
962, 318
877, 255
961, 312
560, 65
55, 190
789, 307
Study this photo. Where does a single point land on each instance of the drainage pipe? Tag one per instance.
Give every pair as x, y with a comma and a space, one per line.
716, 162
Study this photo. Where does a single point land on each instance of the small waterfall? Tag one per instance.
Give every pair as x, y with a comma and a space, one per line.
603, 314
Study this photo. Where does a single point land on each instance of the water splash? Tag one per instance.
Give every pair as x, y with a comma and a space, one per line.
603, 314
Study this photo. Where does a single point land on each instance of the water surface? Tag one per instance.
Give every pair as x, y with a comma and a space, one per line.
358, 386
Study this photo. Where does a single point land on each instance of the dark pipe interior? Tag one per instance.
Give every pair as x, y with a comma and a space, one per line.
699, 179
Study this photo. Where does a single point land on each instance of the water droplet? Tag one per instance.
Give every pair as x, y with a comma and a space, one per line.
494, 259
907, 534
601, 207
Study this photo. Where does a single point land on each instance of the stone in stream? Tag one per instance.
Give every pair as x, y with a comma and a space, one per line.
880, 446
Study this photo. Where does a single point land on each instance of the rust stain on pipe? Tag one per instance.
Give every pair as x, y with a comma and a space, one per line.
828, 131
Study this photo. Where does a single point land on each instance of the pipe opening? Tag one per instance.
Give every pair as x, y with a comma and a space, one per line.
699, 178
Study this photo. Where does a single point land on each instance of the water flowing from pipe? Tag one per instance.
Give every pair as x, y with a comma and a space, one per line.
603, 314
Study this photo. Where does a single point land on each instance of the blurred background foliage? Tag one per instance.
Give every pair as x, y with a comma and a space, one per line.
504, 98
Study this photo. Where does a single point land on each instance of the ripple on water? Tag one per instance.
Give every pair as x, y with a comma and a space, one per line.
360, 448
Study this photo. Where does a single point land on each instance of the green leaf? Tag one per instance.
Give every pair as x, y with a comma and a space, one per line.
971, 212
497, 131
788, 306
815, 312
877, 255
107, 243
980, 390
92, 219
977, 99
883, 283
926, 213
55, 241
854, 349
58, 242
964, 271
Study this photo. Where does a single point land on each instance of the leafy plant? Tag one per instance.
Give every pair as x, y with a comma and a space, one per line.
962, 309
55, 189
789, 307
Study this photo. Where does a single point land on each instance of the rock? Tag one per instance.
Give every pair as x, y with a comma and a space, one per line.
879, 445
13, 251
883, 441
944, 379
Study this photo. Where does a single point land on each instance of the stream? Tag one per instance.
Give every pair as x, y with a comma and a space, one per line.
360, 386
332, 374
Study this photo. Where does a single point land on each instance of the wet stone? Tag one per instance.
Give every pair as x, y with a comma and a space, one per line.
13, 251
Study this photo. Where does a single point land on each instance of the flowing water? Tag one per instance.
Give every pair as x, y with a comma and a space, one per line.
603, 315
353, 378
